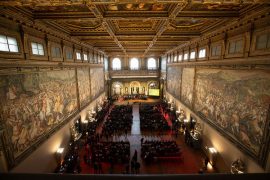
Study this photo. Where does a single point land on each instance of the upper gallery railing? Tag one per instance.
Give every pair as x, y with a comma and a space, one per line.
134, 72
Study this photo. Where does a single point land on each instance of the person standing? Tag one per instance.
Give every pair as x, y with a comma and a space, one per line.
142, 139
127, 168
100, 171
137, 167
132, 166
135, 156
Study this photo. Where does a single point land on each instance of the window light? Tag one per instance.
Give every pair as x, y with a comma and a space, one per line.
8, 44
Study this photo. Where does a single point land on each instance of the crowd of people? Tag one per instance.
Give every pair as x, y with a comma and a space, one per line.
151, 119
158, 148
99, 117
100, 148
71, 162
119, 121
112, 152
135, 96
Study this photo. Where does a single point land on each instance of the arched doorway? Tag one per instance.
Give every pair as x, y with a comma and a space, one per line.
135, 87
117, 88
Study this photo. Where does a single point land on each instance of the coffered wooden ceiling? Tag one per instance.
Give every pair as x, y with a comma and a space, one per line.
134, 27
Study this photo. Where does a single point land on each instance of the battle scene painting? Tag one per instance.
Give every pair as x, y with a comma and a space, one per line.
34, 103
174, 81
187, 86
97, 82
84, 85
236, 102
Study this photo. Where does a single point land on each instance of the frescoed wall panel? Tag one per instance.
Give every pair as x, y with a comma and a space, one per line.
236, 102
187, 85
174, 81
97, 82
33, 103
84, 85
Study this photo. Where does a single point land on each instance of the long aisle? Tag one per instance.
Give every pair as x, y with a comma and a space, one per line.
135, 135
135, 129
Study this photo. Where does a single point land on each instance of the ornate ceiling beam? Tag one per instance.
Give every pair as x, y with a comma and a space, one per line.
106, 24
89, 34
135, 16
207, 14
109, 30
80, 2
164, 24
64, 15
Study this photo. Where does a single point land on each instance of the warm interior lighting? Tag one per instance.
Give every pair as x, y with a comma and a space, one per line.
209, 166
85, 121
60, 150
212, 150
186, 120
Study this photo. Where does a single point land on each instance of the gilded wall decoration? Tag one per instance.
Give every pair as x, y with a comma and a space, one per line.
187, 85
236, 102
84, 85
174, 81
97, 82
34, 103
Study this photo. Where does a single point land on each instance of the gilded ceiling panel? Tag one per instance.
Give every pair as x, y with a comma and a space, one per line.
137, 7
81, 23
135, 25
66, 8
135, 43
214, 6
190, 23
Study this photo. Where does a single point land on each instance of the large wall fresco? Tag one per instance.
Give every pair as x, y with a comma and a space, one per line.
83, 85
187, 85
236, 102
174, 81
33, 103
97, 82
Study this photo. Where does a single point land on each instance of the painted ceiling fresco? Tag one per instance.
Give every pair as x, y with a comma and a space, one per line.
215, 6
137, 7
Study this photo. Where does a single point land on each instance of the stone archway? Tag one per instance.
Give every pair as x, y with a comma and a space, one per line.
135, 87
117, 88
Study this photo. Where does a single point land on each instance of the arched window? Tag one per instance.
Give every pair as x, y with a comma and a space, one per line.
106, 64
134, 64
116, 64
151, 63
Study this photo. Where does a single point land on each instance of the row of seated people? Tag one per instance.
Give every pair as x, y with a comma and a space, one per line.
113, 152
135, 96
119, 121
152, 119
156, 149
103, 112
92, 126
